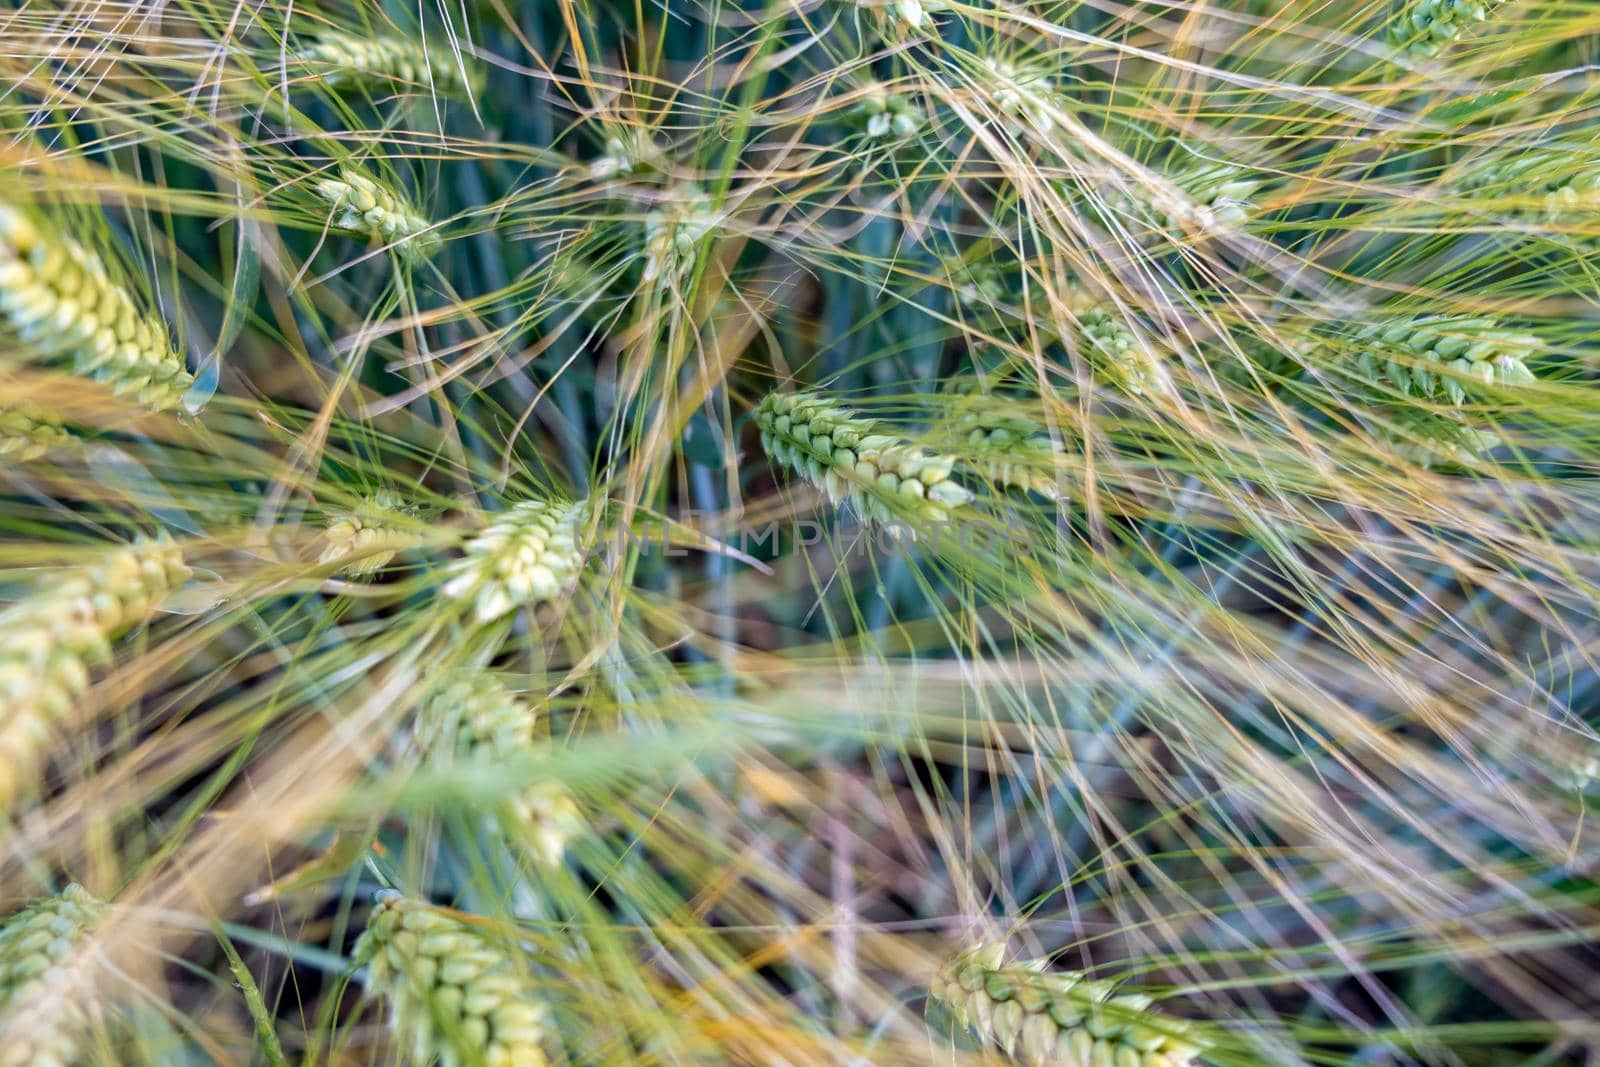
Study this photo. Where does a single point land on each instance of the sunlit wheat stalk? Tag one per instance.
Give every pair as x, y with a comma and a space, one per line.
49, 642
455, 995
59, 297
1057, 1017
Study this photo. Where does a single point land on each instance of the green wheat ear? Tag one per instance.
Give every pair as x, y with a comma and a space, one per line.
346, 62
368, 208
44, 1007
454, 993
368, 536
1442, 356
884, 477
1427, 26
1062, 1018
27, 431
471, 716
1121, 356
528, 555
61, 300
1561, 181
49, 642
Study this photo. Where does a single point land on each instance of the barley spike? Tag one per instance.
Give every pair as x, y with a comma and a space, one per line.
44, 1006
527, 555
1061, 1017
458, 997
49, 642
60, 298
884, 477
471, 716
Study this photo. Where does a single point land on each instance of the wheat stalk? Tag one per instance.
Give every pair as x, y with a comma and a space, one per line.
366, 208
59, 297
43, 1007
367, 538
1059, 1017
28, 432
884, 477
470, 716
49, 642
1443, 356
528, 555
454, 994
351, 62
1428, 26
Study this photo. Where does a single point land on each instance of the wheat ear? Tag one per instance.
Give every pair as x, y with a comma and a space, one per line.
527, 555
1121, 355
1059, 1017
49, 642
1441, 356
470, 716
367, 208
884, 477
28, 432
1427, 26
44, 1007
59, 297
349, 62
368, 536
672, 232
1562, 181
454, 994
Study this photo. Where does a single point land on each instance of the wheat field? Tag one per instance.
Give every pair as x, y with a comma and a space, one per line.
860, 532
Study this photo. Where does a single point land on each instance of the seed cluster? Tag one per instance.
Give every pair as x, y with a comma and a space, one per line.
673, 231
49, 642
471, 716
1547, 178
1443, 356
1059, 1017
1121, 355
885, 115
368, 536
28, 432
351, 62
369, 209
59, 297
455, 994
527, 555
43, 1009
1427, 26
884, 477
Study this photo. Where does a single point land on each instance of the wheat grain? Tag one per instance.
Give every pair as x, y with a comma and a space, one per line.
527, 555
367, 536
1443, 356
885, 115
350, 62
1428, 26
454, 994
49, 642
470, 716
59, 297
366, 208
884, 477
44, 1007
1121, 355
28, 432
1059, 1017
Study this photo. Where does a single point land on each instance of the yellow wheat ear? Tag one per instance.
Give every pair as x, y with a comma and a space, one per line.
454, 994
369, 536
44, 1003
50, 641
59, 297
